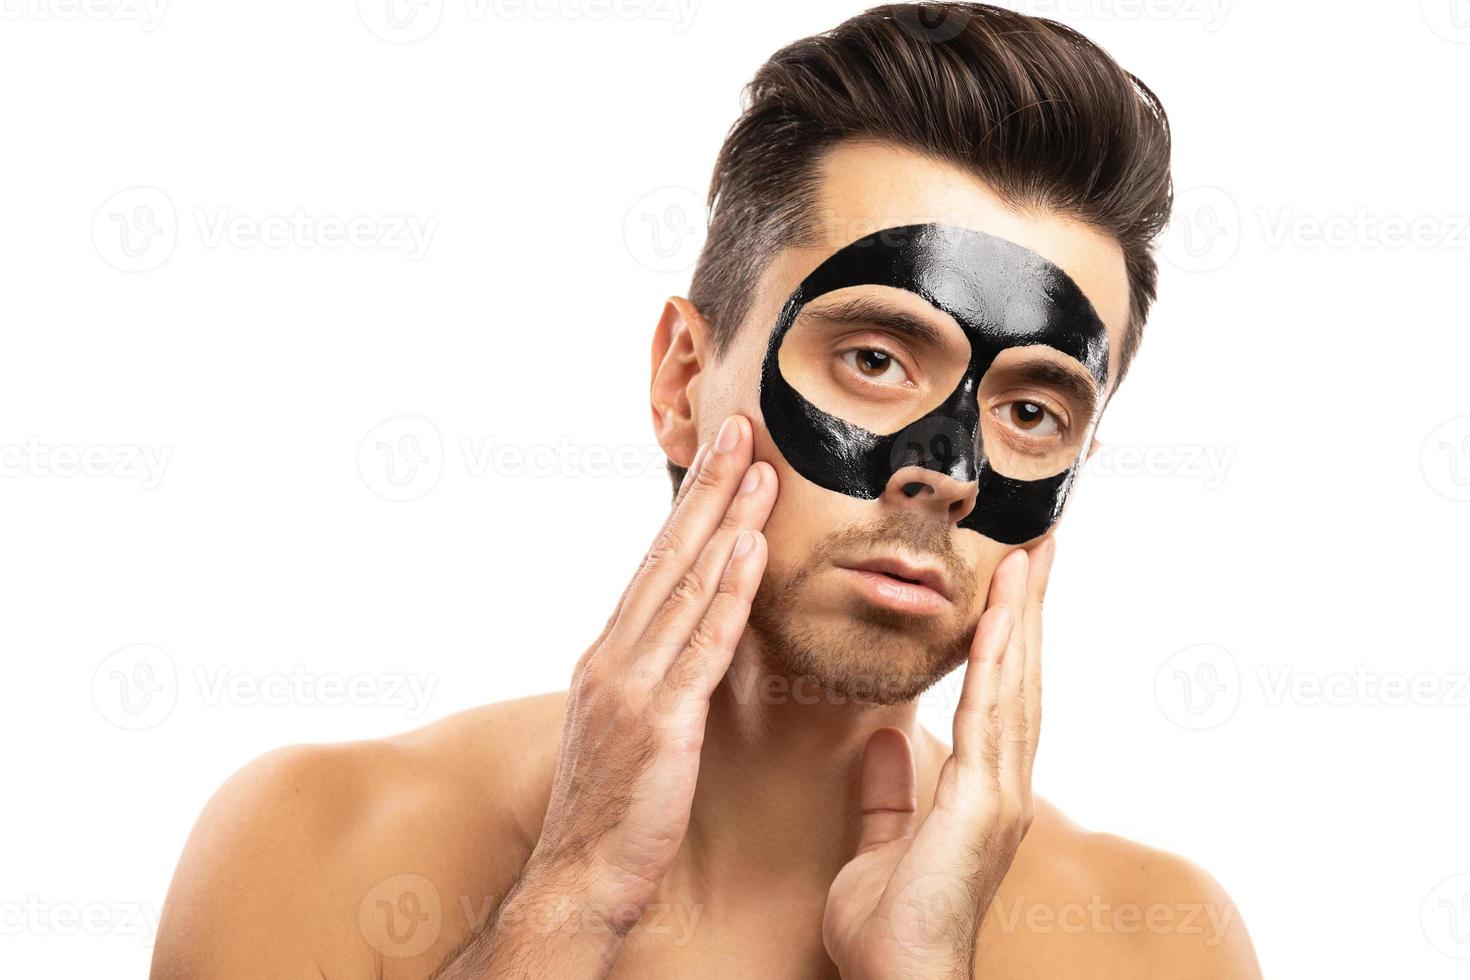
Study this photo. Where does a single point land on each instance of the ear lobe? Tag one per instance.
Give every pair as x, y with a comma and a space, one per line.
1092, 447
678, 358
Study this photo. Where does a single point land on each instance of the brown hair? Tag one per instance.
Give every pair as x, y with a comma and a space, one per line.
1043, 115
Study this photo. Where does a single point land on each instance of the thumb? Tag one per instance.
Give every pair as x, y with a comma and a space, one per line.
889, 798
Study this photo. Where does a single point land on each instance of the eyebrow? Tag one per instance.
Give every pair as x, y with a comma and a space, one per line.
1071, 383
864, 310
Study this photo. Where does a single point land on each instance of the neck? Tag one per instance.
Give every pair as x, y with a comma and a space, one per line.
778, 790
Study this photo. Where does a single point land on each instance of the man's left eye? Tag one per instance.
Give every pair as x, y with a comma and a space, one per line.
1032, 418
875, 365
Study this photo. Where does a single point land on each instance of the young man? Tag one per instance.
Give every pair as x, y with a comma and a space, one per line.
927, 269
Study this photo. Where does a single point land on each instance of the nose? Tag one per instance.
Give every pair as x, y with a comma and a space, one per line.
938, 495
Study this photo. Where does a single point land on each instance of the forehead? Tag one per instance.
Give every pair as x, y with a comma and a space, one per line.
867, 187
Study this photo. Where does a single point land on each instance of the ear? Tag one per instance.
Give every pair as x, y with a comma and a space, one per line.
1092, 447
679, 351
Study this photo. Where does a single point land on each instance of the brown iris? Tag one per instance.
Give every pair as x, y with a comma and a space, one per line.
1027, 415
873, 362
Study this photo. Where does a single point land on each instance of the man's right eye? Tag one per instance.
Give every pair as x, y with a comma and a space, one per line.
1033, 418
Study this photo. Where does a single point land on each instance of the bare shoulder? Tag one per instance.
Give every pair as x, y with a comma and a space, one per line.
372, 858
1080, 902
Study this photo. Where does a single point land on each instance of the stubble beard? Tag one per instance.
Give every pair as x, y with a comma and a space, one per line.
876, 656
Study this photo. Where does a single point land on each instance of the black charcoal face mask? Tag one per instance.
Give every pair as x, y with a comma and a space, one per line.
1002, 296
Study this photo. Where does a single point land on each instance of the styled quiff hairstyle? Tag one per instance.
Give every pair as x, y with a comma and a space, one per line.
1044, 116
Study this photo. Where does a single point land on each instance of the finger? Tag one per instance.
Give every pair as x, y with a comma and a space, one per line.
628, 588
679, 495
688, 529
671, 626
1015, 742
689, 473
975, 722
1041, 563
700, 665
889, 794
1008, 583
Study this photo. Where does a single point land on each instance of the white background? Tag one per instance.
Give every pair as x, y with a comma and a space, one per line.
197, 536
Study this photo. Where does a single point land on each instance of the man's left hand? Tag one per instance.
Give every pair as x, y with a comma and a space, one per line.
909, 904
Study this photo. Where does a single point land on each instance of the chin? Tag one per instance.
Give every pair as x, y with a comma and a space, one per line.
859, 651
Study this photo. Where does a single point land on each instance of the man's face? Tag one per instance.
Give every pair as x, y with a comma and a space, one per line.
903, 370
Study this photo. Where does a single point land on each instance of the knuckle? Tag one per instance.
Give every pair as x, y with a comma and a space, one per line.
689, 589
685, 670
730, 609
668, 546
664, 550
585, 678
706, 479
705, 638
990, 751
728, 589
1016, 735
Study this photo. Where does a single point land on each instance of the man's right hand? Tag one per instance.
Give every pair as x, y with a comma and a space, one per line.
634, 725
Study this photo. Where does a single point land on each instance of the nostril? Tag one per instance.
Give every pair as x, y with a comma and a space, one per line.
916, 488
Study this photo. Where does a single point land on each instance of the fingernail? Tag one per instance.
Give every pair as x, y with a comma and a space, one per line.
729, 434
743, 544
751, 481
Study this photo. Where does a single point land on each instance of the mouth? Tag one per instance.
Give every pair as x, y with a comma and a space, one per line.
901, 584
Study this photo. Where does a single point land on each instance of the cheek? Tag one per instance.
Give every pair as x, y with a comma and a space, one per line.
805, 514
730, 382
982, 556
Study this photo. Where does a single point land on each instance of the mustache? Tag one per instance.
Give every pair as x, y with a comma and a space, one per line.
925, 538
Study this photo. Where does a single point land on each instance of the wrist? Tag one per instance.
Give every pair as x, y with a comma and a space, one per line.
558, 917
